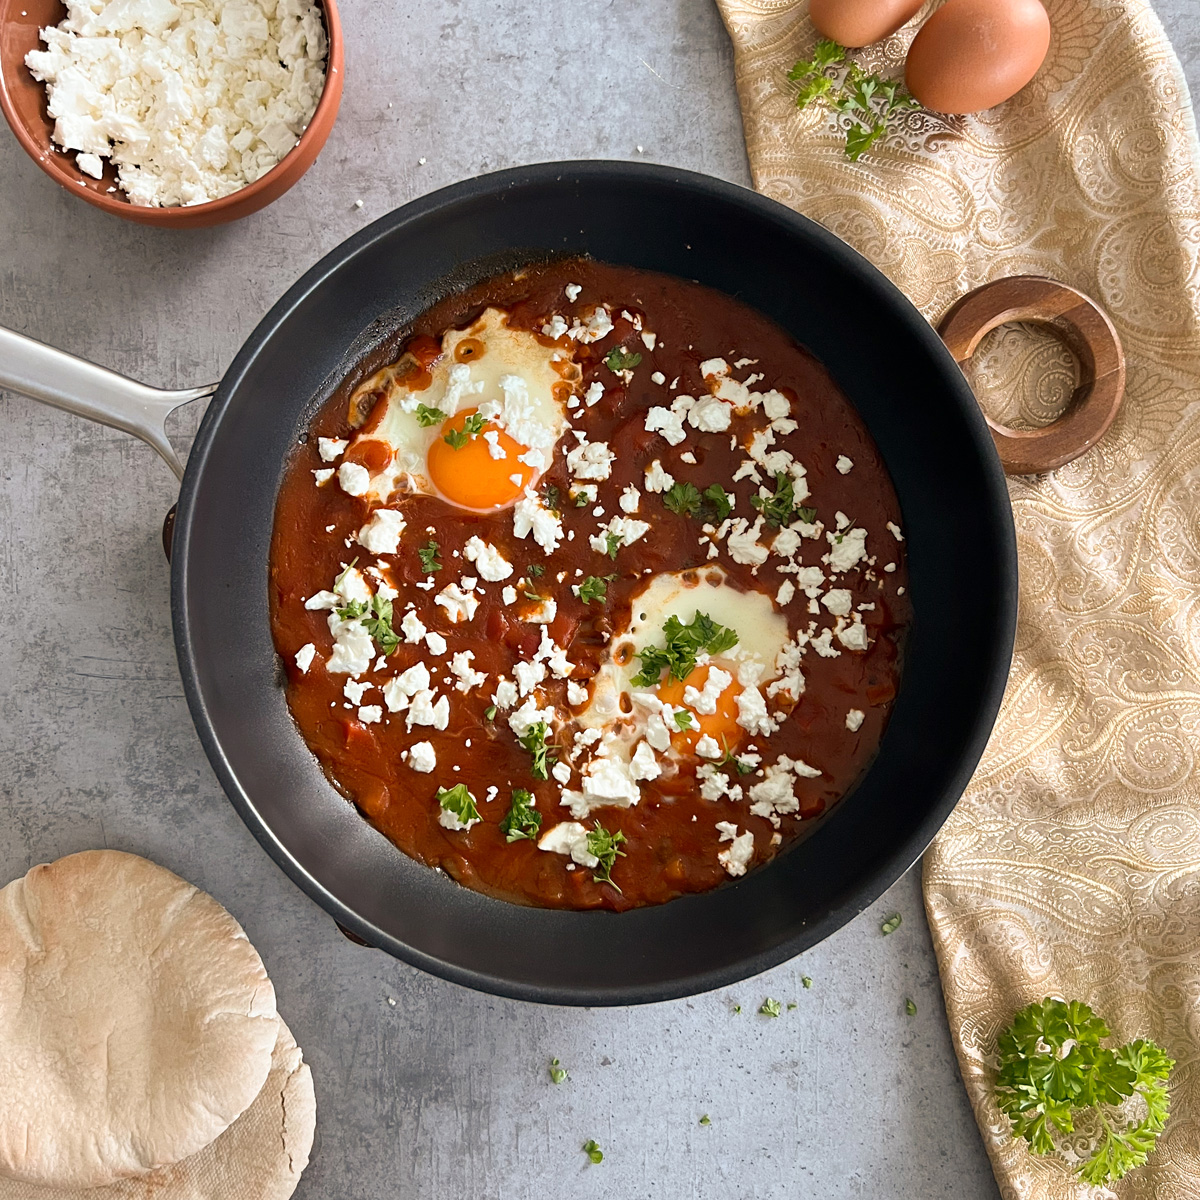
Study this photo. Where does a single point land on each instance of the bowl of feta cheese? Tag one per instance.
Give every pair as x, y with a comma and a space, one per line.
172, 112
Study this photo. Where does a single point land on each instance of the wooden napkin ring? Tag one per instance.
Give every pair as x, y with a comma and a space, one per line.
1083, 326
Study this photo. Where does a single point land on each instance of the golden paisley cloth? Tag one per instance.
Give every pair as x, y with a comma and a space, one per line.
1071, 867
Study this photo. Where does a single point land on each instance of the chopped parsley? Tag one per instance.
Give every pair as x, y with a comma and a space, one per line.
558, 1074
704, 1120
717, 501
535, 570
522, 820
619, 359
551, 497
613, 542
806, 980
770, 1007
1052, 1067
606, 847
684, 643
428, 554
910, 1006
683, 719
456, 439
427, 416
581, 499
376, 618
489, 713
593, 1151
534, 740
595, 587
460, 802
891, 924
730, 759
781, 508
737, 1008
337, 583
682, 498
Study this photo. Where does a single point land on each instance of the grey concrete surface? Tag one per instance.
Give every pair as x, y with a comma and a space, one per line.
443, 1093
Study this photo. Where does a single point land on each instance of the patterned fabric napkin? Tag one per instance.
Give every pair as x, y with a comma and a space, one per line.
1072, 865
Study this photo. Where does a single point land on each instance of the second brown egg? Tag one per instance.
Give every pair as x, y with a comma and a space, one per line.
861, 22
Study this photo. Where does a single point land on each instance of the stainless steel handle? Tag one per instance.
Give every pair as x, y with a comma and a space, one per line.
80, 387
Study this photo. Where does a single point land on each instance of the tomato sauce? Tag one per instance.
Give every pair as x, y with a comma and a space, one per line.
671, 842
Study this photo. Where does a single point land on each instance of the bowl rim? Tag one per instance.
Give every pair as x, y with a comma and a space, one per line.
119, 205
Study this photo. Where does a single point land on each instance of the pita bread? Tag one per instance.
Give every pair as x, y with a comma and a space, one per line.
259, 1157
136, 1020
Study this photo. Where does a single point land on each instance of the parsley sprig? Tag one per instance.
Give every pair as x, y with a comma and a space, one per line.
522, 820
544, 756
456, 439
712, 504
376, 617
460, 802
427, 416
612, 543
428, 554
683, 644
868, 100
682, 498
595, 588
1053, 1068
781, 509
606, 847
619, 359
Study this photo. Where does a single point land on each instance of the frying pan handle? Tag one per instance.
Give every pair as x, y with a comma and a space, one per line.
1083, 326
76, 386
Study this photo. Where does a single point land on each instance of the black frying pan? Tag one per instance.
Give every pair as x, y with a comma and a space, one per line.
891, 364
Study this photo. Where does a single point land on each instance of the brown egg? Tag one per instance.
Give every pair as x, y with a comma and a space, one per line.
975, 54
861, 22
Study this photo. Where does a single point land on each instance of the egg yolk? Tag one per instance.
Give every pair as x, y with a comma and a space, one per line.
721, 725
469, 475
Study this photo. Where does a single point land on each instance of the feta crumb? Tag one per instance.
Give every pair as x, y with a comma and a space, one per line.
572, 290
787, 590
467, 676
531, 516
743, 544
630, 499
381, 534
425, 710
435, 643
838, 601
561, 772
331, 449
709, 747
460, 605
894, 530
854, 719
667, 422
304, 657
594, 393
323, 477
412, 628
710, 415
509, 595
569, 837
846, 549
738, 856
591, 460
704, 701
354, 479
421, 757
657, 479
658, 377
489, 562
853, 636
542, 613
505, 695
844, 464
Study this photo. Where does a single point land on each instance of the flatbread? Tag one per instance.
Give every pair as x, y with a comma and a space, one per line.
136, 1020
259, 1157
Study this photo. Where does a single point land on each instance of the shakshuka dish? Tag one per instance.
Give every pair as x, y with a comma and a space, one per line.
590, 586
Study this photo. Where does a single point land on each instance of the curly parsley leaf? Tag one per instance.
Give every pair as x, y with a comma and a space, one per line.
456, 439
770, 1007
619, 359
460, 802
593, 1151
522, 820
826, 53
891, 924
910, 1006
595, 587
705, 1120
781, 509
427, 416
551, 497
428, 554
534, 740
376, 618
683, 644
613, 542
606, 847
806, 980
1052, 1067
683, 719
718, 503
558, 1073
682, 498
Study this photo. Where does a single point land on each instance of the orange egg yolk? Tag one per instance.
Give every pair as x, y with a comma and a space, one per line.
721, 725
469, 475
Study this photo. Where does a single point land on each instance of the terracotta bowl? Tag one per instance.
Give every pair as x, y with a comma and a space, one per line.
23, 100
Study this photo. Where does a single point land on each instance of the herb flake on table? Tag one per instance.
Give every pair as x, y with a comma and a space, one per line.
910, 1006
770, 1007
704, 1120
806, 980
558, 1073
891, 924
592, 1149
868, 100
1052, 1069
522, 820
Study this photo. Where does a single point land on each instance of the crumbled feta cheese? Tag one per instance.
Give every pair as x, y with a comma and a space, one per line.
577, 694
323, 477
606, 782
854, 719
752, 712
190, 101
737, 857
321, 600
598, 325
460, 605
370, 714
509, 595
838, 601
744, 546
844, 464
787, 590
594, 393
528, 675
304, 656
668, 423
846, 549
489, 562
591, 460
894, 530
823, 644
643, 764
658, 479
710, 415
658, 377
542, 613
531, 516
572, 290
626, 529
353, 691
704, 701
353, 649
505, 695
354, 479
492, 438
555, 327
412, 628
425, 710
630, 499
422, 757
853, 636
381, 534
331, 449
569, 837
649, 339
467, 676
709, 747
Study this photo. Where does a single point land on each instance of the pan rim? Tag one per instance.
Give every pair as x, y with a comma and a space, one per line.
870, 885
